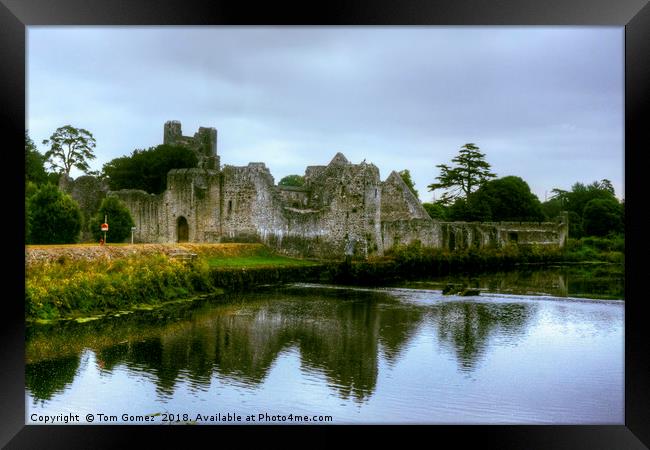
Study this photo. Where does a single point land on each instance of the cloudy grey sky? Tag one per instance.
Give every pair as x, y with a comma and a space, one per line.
543, 103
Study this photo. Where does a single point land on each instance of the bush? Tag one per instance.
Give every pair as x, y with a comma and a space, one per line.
53, 217
119, 220
610, 249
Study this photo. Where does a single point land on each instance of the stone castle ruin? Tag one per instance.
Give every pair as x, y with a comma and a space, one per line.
342, 209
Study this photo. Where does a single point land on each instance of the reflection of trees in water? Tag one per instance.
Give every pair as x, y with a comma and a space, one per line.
46, 378
599, 279
468, 327
337, 331
344, 347
397, 324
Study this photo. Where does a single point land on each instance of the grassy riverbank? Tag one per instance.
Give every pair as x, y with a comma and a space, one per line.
80, 288
83, 281
86, 280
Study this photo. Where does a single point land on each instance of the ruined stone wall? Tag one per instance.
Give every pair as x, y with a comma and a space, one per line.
251, 207
348, 197
398, 202
404, 232
403, 219
462, 235
294, 196
192, 194
145, 210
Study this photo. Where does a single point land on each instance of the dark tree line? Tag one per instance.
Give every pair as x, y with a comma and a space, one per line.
472, 194
147, 169
593, 209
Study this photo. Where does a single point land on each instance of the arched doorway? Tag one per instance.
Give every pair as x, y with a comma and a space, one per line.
182, 229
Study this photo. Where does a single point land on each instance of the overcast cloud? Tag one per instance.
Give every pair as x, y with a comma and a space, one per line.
543, 103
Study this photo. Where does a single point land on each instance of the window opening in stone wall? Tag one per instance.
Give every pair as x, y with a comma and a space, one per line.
513, 237
229, 207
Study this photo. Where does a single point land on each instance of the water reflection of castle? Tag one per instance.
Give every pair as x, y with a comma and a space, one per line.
338, 333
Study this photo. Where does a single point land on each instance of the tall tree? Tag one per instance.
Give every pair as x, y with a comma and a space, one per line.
469, 173
70, 147
34, 162
509, 199
406, 177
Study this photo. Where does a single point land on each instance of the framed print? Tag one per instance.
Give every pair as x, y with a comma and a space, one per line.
411, 216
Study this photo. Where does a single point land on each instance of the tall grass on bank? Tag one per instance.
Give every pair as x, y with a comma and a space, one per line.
69, 287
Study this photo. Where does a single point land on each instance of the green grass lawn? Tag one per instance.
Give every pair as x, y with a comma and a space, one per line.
258, 261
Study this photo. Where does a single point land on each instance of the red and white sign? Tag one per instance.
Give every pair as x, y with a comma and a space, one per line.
104, 227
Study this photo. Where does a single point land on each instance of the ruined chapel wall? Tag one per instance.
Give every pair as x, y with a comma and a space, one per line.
398, 202
193, 194
251, 206
145, 210
349, 198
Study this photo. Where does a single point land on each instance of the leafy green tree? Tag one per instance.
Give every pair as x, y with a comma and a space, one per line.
575, 225
602, 217
469, 210
147, 169
119, 220
575, 201
469, 173
34, 163
70, 147
54, 217
292, 180
509, 199
436, 211
406, 177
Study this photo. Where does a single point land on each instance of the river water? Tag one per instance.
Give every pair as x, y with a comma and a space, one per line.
355, 355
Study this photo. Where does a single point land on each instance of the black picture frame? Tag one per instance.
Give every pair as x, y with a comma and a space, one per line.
15, 15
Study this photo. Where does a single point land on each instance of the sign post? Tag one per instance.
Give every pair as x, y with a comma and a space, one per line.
105, 227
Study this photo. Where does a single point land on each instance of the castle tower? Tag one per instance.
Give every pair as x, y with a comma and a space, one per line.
206, 139
172, 132
203, 143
